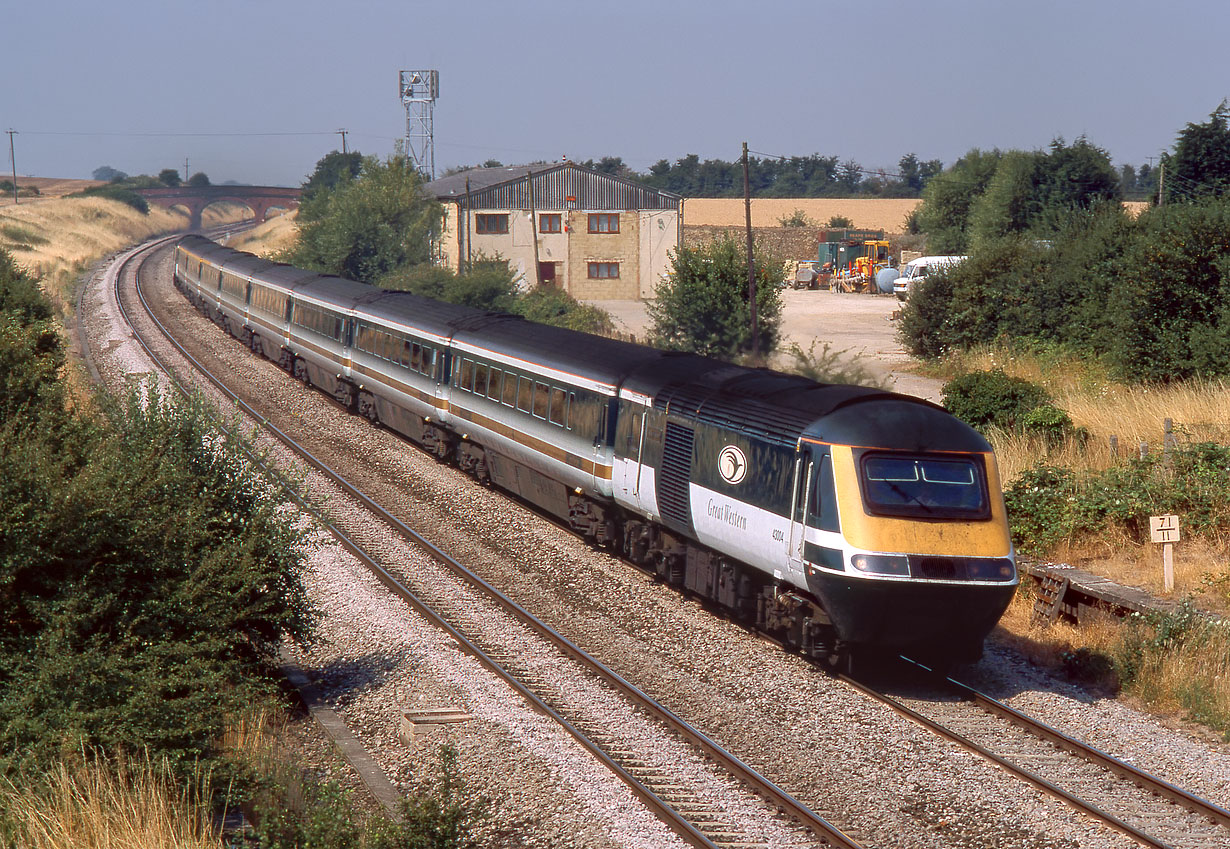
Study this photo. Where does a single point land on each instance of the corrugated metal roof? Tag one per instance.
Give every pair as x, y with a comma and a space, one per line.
558, 186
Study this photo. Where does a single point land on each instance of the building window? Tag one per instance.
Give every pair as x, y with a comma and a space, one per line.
604, 222
603, 270
550, 223
490, 223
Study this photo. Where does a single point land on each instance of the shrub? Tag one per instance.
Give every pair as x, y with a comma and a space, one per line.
703, 306
1047, 504
798, 218
828, 366
559, 309
1052, 424
988, 399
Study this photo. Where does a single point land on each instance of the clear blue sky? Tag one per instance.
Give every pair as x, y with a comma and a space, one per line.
140, 85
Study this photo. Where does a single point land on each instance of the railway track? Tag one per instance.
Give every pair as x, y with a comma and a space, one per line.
682, 775
1149, 810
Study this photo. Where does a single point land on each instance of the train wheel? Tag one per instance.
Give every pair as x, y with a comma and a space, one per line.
301, 371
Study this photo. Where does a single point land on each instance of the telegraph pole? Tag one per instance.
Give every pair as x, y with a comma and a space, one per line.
185, 170
342, 132
13, 159
1161, 184
751, 266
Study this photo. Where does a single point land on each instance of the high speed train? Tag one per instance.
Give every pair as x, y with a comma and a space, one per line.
832, 517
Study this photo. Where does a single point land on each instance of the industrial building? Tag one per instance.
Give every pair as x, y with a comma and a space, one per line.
594, 235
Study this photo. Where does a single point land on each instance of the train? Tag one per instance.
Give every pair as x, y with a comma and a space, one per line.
837, 519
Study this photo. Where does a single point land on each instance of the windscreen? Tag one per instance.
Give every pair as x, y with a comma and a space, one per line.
933, 487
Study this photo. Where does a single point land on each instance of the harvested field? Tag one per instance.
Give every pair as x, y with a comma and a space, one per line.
886, 214
48, 187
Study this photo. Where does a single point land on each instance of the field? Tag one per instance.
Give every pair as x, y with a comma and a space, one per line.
886, 214
56, 238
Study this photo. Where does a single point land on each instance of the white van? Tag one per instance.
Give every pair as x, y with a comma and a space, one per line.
917, 269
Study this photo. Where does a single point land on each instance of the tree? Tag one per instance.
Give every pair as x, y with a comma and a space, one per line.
948, 198
169, 177
850, 176
109, 174
703, 306
198, 180
1200, 164
366, 227
333, 168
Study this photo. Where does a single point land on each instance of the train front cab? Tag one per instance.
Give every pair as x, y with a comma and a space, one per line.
906, 550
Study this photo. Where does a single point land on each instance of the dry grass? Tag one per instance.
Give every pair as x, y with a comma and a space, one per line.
1180, 668
888, 214
56, 239
76, 233
271, 237
96, 806
1198, 409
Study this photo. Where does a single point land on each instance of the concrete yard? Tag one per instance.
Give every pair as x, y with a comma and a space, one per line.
861, 325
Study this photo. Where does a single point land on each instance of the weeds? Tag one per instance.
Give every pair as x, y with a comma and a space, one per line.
829, 366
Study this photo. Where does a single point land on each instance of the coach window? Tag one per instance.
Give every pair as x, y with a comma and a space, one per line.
480, 379
467, 373
604, 222
488, 223
559, 403
525, 394
510, 389
542, 400
494, 382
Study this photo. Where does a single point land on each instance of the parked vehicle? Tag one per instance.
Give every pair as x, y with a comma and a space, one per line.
917, 269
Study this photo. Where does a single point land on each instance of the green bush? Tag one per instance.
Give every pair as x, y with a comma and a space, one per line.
559, 309
704, 305
145, 569
1052, 424
987, 399
1047, 504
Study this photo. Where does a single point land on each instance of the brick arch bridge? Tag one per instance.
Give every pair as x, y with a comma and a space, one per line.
260, 199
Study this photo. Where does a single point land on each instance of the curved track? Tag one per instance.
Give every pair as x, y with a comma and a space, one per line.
679, 797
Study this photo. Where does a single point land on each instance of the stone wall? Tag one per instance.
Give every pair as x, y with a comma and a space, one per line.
783, 243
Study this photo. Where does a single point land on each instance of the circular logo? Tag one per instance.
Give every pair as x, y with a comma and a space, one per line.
732, 465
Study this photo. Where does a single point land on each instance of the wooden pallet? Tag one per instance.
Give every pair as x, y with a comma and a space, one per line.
1048, 605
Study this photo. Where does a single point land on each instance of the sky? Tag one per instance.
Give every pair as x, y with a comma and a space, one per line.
255, 91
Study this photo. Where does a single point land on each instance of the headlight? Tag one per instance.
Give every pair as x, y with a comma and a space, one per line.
991, 570
881, 564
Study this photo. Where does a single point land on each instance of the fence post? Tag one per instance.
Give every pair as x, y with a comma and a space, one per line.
1114, 446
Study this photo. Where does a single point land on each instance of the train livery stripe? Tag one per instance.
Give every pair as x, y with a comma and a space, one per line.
586, 465
404, 388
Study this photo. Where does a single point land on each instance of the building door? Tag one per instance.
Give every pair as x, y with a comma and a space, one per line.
547, 273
